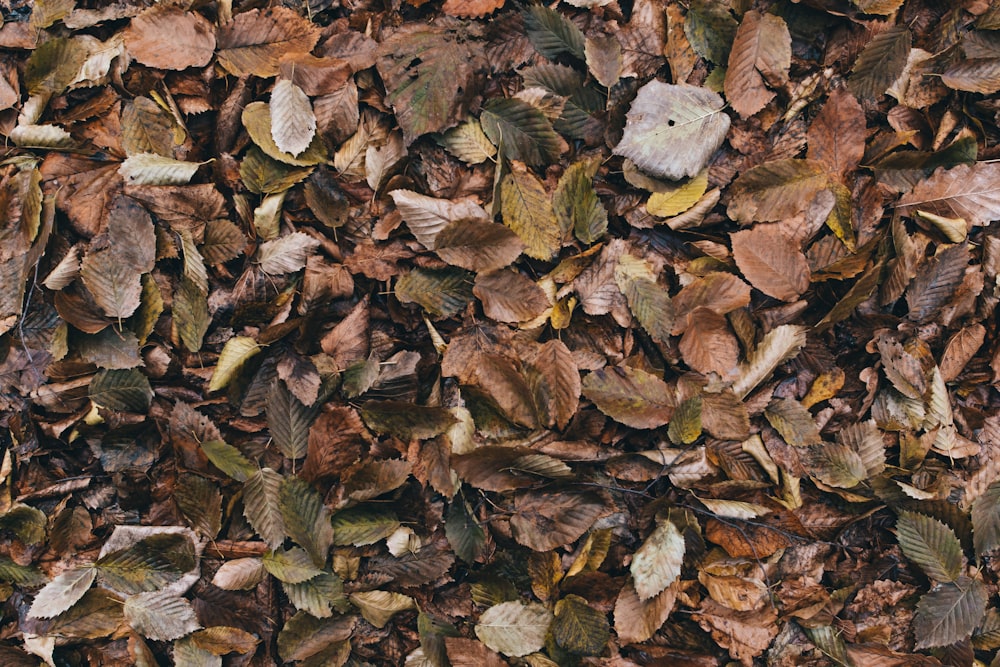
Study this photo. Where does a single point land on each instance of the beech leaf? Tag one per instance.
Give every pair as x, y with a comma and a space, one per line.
673, 130
293, 124
657, 563
761, 53
514, 629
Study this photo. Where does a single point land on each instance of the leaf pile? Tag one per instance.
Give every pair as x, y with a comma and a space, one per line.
483, 332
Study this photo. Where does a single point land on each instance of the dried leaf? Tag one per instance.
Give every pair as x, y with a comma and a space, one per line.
930, 544
170, 38
771, 262
761, 53
630, 396
262, 506
579, 628
160, 615
528, 211
837, 134
576, 205
881, 62
673, 130
949, 613
379, 606
441, 292
427, 216
657, 563
967, 191
545, 520
62, 592
514, 629
522, 132
255, 41
293, 123
775, 190
507, 296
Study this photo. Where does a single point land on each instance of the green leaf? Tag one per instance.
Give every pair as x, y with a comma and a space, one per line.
126, 390
26, 522
289, 421
160, 615
551, 33
576, 205
307, 519
579, 628
378, 607
630, 396
465, 535
235, 353
229, 460
986, 519
521, 131
513, 628
673, 130
649, 302
950, 612
834, 464
62, 592
882, 62
657, 563
441, 292
527, 210
53, 65
21, 575
930, 544
710, 29
262, 506
406, 420
362, 525
318, 596
292, 566
149, 564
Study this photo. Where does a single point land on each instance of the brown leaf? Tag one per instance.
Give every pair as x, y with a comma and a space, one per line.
961, 348
637, 620
471, 9
170, 38
255, 41
335, 444
508, 296
745, 634
969, 191
348, 341
315, 76
708, 344
469, 652
721, 292
555, 382
545, 520
837, 134
477, 245
761, 52
771, 262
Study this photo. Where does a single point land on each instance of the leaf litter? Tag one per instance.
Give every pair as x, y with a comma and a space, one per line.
496, 333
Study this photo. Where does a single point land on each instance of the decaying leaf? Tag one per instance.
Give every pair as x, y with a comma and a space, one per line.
761, 54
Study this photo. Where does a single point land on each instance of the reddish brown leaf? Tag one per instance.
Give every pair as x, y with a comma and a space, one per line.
771, 262
837, 134
170, 38
508, 296
761, 52
708, 344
